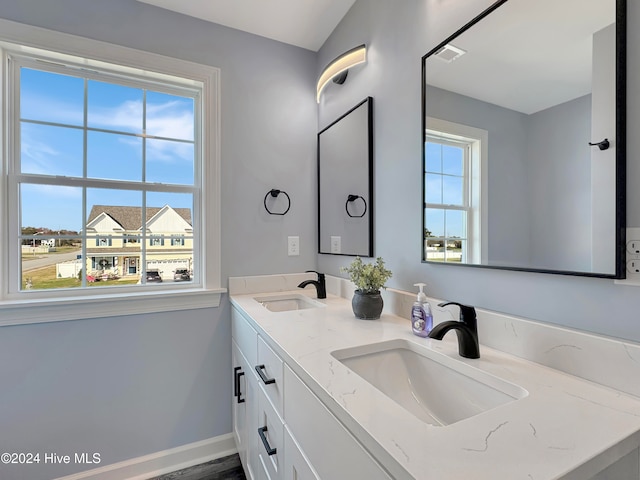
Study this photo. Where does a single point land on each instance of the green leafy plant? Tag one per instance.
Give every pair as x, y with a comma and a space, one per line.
368, 277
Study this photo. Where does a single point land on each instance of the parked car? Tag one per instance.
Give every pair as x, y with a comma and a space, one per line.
181, 275
153, 276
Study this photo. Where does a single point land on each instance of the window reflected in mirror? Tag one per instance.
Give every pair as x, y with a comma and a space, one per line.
515, 104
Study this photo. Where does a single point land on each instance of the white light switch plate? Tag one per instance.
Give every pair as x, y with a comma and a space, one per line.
336, 244
293, 246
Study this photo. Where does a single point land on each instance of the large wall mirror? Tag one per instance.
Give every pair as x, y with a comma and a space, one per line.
524, 139
345, 183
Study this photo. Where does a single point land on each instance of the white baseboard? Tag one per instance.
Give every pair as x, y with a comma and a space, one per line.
159, 463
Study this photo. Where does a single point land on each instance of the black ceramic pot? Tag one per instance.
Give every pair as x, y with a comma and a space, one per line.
367, 306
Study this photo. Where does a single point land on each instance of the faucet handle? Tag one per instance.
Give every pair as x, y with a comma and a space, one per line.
320, 275
467, 312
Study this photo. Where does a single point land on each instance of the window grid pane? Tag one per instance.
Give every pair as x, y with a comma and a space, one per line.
446, 167
116, 245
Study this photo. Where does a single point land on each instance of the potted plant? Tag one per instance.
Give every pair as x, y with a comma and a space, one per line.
369, 278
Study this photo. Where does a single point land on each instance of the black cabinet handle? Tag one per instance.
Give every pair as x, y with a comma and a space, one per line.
240, 399
265, 442
236, 384
263, 377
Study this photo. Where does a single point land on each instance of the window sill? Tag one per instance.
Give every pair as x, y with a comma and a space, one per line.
60, 310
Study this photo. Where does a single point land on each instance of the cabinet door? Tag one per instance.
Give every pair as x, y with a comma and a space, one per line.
239, 401
321, 436
296, 465
269, 438
253, 469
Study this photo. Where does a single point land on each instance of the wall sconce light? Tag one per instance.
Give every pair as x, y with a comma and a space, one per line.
338, 68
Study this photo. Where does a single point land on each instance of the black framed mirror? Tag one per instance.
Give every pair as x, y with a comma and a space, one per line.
345, 183
524, 139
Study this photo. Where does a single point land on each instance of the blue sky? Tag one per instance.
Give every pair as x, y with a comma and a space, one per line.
59, 149
444, 167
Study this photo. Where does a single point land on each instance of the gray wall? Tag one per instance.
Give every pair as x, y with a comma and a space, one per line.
509, 227
398, 34
558, 169
539, 184
130, 386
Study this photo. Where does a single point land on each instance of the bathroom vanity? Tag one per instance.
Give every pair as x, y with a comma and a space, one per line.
321, 394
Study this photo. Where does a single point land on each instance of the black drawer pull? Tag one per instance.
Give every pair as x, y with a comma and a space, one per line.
240, 399
263, 377
236, 384
265, 442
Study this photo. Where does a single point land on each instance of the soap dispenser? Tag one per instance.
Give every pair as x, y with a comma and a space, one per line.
421, 317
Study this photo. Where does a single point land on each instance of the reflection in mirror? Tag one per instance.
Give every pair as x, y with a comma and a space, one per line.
345, 183
511, 104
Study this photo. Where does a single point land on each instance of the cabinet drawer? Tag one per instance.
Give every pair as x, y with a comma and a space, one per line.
245, 336
296, 465
321, 436
269, 441
270, 369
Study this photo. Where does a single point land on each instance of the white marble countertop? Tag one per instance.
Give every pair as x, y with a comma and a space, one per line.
566, 427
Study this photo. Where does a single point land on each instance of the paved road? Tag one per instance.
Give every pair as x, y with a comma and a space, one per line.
46, 259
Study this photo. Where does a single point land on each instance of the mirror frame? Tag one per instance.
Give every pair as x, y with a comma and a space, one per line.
621, 148
368, 102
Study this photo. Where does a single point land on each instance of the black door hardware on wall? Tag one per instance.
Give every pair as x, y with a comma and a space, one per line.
603, 145
274, 192
353, 198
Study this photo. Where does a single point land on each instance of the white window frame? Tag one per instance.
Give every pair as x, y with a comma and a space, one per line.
45, 306
476, 191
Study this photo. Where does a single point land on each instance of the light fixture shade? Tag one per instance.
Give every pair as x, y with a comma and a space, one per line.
341, 64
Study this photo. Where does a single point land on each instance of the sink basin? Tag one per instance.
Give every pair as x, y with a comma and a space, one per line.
437, 389
287, 302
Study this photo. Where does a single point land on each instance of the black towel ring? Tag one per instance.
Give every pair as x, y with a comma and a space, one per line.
353, 198
274, 193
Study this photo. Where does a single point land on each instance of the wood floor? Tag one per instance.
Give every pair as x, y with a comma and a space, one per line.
226, 468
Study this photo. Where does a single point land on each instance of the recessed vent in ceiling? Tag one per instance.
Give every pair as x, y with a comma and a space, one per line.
449, 53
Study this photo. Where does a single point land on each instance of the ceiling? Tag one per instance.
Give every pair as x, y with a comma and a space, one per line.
528, 55
303, 23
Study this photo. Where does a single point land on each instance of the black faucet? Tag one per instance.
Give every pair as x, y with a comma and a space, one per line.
320, 284
466, 328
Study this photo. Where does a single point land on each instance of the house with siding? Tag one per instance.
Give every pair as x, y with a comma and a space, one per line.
117, 243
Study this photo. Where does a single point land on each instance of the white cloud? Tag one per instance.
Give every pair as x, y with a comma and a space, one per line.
38, 107
169, 119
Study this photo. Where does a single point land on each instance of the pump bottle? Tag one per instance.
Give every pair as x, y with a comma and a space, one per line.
421, 317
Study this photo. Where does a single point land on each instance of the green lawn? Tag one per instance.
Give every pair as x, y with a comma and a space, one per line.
45, 278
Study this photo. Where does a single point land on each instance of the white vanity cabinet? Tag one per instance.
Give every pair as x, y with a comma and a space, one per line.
282, 430
258, 392
328, 445
245, 402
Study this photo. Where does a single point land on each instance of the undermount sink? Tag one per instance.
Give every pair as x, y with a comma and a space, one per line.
287, 302
437, 389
